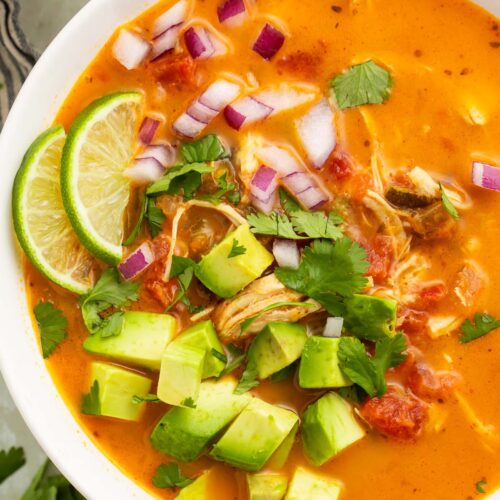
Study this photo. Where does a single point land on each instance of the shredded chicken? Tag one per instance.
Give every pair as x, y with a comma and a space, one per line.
262, 293
468, 284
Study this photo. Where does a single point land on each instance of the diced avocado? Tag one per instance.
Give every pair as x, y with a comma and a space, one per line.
226, 275
276, 347
319, 366
204, 336
255, 435
329, 426
280, 456
142, 339
180, 374
201, 489
371, 318
266, 486
306, 484
406, 198
184, 433
117, 387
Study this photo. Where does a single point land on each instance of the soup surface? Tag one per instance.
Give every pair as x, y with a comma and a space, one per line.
435, 432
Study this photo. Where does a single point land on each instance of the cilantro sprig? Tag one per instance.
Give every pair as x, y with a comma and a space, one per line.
236, 249
208, 148
248, 379
447, 204
170, 476
365, 83
52, 325
183, 269
483, 324
369, 372
234, 361
11, 460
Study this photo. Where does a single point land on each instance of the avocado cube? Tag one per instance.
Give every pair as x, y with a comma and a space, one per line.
329, 426
255, 435
184, 433
280, 456
319, 366
180, 374
266, 486
370, 318
204, 336
141, 342
117, 387
277, 346
201, 489
226, 275
310, 486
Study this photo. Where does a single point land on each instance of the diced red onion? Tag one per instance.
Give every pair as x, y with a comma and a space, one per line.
219, 94
298, 182
188, 126
266, 206
264, 182
317, 132
269, 42
231, 12
286, 253
165, 154
174, 16
145, 171
165, 42
136, 262
130, 49
200, 112
246, 111
148, 129
198, 43
486, 176
333, 327
312, 198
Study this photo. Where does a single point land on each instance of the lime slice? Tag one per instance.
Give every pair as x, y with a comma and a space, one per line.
41, 224
100, 145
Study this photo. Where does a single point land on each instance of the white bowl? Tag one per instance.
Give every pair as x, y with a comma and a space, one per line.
21, 363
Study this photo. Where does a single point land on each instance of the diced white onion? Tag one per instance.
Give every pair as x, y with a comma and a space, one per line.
286, 253
333, 327
130, 49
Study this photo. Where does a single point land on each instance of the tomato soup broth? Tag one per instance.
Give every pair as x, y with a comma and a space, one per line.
443, 113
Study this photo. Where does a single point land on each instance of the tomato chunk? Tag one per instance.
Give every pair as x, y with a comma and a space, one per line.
431, 385
339, 166
380, 255
300, 63
429, 295
177, 70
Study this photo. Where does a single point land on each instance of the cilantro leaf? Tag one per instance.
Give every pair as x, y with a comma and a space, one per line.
237, 249
248, 379
353, 393
170, 476
189, 402
328, 273
183, 269
365, 83
137, 228
155, 218
208, 148
10, 461
237, 356
111, 325
180, 264
90, 402
234, 197
186, 178
218, 355
149, 398
484, 323
288, 203
447, 204
479, 486
52, 325
273, 224
225, 189
369, 372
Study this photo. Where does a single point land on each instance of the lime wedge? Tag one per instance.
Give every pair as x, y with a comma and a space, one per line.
100, 145
41, 224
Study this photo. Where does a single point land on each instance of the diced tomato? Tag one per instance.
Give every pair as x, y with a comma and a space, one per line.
380, 256
163, 292
178, 70
429, 295
427, 384
339, 166
412, 322
304, 64
398, 414
360, 184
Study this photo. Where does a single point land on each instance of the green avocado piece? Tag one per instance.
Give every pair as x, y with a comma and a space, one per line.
266, 486
204, 336
117, 387
319, 366
406, 198
180, 374
255, 435
184, 433
225, 275
329, 426
307, 485
141, 342
280, 456
277, 346
371, 318
201, 489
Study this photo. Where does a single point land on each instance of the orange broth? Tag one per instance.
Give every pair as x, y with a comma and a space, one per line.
445, 62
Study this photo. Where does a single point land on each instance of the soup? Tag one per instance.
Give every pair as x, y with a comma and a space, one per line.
272, 270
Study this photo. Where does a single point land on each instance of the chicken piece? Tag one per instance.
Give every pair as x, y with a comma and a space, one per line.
262, 293
468, 284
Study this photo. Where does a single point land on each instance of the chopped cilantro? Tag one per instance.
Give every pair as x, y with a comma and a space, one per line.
225, 189
237, 249
369, 372
183, 269
365, 83
180, 178
288, 203
484, 323
234, 197
108, 292
170, 476
447, 204
90, 402
10, 461
208, 148
149, 398
328, 273
219, 355
155, 218
52, 325
237, 356
479, 486
137, 228
111, 325
248, 379
354, 393
180, 264
189, 402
